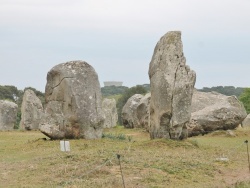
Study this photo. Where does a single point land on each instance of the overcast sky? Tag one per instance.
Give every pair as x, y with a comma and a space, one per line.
117, 37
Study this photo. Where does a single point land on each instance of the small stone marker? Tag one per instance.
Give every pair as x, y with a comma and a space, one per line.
222, 159
64, 145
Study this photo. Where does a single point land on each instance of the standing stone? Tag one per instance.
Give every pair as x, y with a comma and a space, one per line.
143, 111
129, 112
73, 102
110, 111
213, 111
8, 115
32, 111
172, 84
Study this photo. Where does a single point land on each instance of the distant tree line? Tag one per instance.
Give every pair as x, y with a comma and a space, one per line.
225, 90
119, 90
113, 90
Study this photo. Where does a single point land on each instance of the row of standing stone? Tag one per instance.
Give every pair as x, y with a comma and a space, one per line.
74, 107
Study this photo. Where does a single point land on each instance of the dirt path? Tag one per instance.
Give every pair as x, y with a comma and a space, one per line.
232, 177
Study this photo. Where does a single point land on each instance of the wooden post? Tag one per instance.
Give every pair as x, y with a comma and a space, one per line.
118, 157
248, 155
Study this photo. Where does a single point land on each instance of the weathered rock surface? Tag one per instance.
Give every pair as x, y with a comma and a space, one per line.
32, 111
8, 115
129, 112
213, 111
246, 121
143, 111
73, 102
110, 112
172, 84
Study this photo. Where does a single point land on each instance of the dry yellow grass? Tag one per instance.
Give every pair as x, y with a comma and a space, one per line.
26, 160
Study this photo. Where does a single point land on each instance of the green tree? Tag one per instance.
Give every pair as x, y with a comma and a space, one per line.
113, 90
226, 90
118, 90
245, 99
125, 96
10, 93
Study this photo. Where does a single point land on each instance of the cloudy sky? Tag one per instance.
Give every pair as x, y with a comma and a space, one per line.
117, 38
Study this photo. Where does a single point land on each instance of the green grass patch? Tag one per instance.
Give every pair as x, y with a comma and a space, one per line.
114, 136
27, 159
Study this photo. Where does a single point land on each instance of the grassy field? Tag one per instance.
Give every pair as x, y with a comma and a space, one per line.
29, 160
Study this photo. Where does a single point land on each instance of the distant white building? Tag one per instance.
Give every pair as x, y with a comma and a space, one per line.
112, 83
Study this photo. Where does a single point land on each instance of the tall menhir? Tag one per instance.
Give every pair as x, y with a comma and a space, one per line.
172, 83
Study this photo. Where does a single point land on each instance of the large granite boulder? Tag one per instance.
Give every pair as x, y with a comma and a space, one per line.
143, 111
246, 121
73, 102
8, 115
110, 111
129, 112
32, 111
213, 111
172, 83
